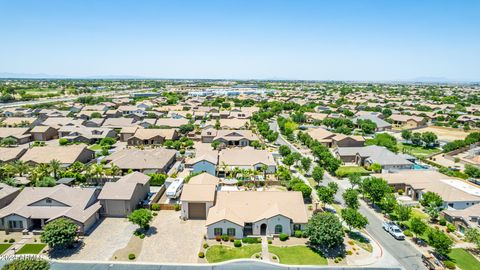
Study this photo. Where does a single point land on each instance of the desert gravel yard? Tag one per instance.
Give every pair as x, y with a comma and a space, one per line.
110, 235
174, 241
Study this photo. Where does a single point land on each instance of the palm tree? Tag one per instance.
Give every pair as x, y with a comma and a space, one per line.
21, 167
97, 170
115, 170
54, 166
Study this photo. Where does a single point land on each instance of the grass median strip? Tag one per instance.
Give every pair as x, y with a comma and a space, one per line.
31, 249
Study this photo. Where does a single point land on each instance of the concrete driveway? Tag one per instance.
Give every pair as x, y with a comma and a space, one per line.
111, 234
174, 241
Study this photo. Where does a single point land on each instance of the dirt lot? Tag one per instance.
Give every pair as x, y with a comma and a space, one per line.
446, 134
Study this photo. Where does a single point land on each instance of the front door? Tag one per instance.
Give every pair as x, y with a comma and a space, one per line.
263, 229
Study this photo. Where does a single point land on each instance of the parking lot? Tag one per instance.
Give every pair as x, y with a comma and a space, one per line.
173, 240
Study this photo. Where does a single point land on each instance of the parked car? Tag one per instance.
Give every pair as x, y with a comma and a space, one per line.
393, 229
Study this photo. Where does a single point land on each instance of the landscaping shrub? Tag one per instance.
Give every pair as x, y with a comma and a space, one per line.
178, 207
11, 240
449, 264
201, 254
251, 240
218, 238
27, 264
408, 233
155, 214
298, 234
131, 256
225, 237
269, 241
274, 257
442, 222
400, 192
283, 237
451, 227
257, 256
205, 245
155, 207
237, 243
349, 252
304, 234
231, 239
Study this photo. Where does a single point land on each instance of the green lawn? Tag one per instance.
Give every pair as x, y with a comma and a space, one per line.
298, 255
4, 247
344, 171
464, 260
95, 147
31, 249
417, 151
419, 214
361, 241
220, 253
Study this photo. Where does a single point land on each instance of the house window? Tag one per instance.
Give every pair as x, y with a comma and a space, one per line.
15, 224
217, 231
278, 229
297, 227
231, 231
48, 200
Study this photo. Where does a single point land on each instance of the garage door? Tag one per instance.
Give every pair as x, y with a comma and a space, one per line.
197, 211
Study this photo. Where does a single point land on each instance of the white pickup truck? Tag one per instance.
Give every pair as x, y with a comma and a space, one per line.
393, 229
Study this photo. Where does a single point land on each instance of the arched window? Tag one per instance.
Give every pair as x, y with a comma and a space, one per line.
278, 229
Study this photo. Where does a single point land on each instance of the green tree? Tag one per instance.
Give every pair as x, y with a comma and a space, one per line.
416, 138
403, 212
317, 174
289, 160
184, 129
59, 233
429, 198
473, 235
375, 188
46, 181
304, 188
325, 229
62, 141
96, 115
433, 211
325, 195
355, 180
350, 196
429, 138
54, 166
306, 163
406, 134
472, 171
333, 186
439, 241
388, 203
141, 217
417, 226
376, 167
8, 141
354, 219
284, 150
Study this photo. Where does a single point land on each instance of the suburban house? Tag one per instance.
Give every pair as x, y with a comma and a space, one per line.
241, 214
8, 154
127, 132
120, 198
147, 161
152, 136
43, 133
7, 194
382, 125
204, 163
367, 155
66, 155
171, 122
229, 137
407, 121
465, 218
119, 122
330, 139
197, 199
455, 193
245, 158
20, 135
231, 123
85, 134
36, 206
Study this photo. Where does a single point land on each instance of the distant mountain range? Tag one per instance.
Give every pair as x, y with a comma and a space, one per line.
8, 75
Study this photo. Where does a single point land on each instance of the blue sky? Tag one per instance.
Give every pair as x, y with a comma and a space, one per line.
322, 40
